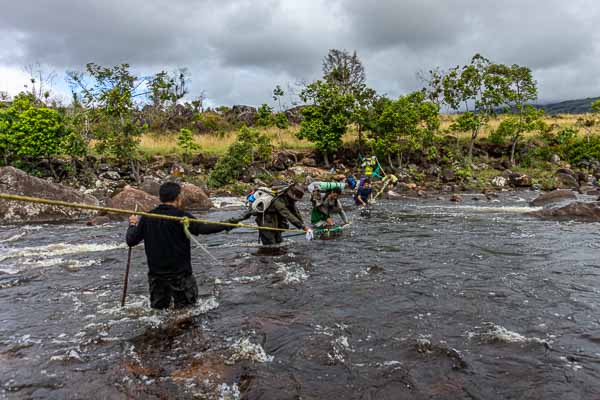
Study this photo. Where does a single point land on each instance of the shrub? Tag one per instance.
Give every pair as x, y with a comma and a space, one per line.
264, 116
185, 141
27, 130
250, 147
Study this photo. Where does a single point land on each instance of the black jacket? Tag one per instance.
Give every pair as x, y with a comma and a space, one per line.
167, 247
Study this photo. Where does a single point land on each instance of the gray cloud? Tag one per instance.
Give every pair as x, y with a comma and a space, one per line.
238, 50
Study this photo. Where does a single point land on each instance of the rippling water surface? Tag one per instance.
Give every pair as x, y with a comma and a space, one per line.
422, 299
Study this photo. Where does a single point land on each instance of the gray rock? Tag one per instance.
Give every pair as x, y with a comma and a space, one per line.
456, 198
555, 196
150, 185
576, 211
111, 175
520, 180
194, 197
448, 175
15, 181
565, 181
130, 198
499, 181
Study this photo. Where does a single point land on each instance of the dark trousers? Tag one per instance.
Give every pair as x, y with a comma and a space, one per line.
183, 289
270, 237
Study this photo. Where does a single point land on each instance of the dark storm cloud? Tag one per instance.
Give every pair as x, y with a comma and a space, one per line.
238, 50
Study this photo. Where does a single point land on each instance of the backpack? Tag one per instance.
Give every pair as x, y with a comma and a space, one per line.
260, 200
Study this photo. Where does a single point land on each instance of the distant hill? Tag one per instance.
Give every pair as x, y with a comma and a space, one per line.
580, 106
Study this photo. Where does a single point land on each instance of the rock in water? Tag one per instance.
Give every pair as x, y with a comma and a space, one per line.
15, 181
194, 197
456, 198
577, 211
129, 198
553, 197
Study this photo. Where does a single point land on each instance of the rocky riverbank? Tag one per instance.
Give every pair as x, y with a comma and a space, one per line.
100, 182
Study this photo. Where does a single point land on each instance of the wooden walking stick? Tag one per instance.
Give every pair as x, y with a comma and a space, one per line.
127, 272
126, 277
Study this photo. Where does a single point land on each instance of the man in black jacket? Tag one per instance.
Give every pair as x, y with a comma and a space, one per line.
168, 250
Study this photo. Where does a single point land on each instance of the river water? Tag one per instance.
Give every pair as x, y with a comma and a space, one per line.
423, 299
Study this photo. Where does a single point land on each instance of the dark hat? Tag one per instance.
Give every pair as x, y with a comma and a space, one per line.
295, 192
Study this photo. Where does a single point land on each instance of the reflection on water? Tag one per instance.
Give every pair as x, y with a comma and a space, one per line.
424, 299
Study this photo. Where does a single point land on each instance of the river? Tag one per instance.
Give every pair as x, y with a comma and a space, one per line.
422, 299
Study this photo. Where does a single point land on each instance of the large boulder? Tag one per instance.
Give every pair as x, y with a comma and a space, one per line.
448, 175
15, 181
576, 211
150, 185
566, 179
240, 114
131, 198
554, 196
294, 115
194, 197
285, 159
520, 180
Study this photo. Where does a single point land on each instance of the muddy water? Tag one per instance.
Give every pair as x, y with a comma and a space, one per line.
423, 299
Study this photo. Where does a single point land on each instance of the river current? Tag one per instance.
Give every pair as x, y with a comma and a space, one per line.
421, 299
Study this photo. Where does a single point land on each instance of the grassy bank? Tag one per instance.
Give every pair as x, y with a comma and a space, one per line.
165, 143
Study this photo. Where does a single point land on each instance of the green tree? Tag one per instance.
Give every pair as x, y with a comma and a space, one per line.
476, 90
325, 117
513, 127
407, 124
520, 89
165, 92
250, 147
365, 101
280, 119
29, 129
185, 141
110, 98
264, 116
344, 70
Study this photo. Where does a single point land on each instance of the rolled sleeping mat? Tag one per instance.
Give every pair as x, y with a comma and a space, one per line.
325, 186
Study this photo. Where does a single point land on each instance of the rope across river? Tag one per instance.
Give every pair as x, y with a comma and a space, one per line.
184, 220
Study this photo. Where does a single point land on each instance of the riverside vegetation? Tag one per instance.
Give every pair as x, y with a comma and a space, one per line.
466, 126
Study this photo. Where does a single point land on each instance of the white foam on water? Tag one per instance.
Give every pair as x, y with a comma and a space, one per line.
340, 346
487, 209
491, 332
239, 279
391, 363
575, 366
137, 308
59, 249
13, 237
70, 355
227, 392
291, 273
227, 202
244, 349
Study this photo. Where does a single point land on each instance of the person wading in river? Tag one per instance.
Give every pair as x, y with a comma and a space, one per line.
323, 210
168, 250
279, 214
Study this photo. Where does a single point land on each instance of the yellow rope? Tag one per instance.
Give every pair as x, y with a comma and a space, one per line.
27, 199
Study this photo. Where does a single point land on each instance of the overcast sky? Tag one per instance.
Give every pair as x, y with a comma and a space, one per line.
238, 50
